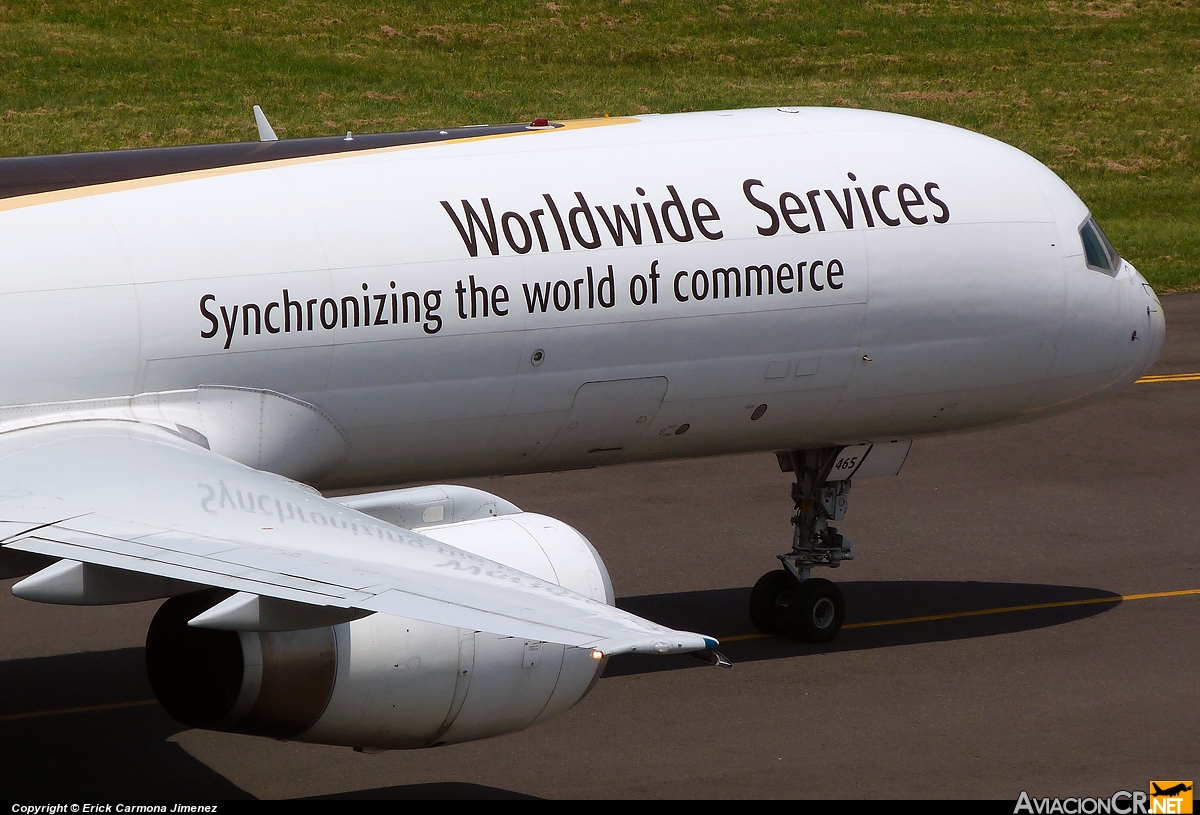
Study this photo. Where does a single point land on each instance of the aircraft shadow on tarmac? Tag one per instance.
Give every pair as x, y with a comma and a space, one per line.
724, 612
125, 752
122, 752
443, 791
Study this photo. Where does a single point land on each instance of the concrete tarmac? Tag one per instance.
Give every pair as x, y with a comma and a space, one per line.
1088, 696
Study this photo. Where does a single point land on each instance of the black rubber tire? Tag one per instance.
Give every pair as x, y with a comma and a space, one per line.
815, 610
765, 610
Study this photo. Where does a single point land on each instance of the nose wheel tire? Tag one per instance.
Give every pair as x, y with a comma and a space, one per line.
814, 611
810, 611
769, 591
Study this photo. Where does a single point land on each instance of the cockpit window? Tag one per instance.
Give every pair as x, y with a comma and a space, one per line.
1100, 253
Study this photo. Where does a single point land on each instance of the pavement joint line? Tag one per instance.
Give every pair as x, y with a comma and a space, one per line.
1146, 380
1118, 598
874, 624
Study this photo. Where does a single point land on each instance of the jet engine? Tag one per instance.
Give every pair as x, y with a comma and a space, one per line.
385, 682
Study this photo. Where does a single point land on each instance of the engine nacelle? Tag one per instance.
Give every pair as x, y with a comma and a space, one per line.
385, 682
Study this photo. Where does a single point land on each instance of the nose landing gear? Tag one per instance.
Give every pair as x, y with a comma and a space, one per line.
789, 600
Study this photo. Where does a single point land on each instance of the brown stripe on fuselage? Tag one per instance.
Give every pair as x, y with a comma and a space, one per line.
29, 175
457, 136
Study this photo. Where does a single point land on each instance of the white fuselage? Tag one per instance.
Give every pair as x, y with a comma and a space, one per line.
865, 276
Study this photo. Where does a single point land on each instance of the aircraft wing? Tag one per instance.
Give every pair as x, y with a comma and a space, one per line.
134, 497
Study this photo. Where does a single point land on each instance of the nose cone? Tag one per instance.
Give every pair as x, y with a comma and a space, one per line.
1148, 313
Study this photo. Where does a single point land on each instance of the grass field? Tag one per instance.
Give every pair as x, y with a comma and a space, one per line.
1105, 93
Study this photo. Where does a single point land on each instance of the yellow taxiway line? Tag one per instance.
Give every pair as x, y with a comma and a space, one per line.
1116, 598
37, 714
1146, 380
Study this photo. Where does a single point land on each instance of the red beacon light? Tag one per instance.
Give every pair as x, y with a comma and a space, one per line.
538, 124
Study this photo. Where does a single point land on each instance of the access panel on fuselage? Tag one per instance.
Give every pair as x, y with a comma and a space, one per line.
606, 417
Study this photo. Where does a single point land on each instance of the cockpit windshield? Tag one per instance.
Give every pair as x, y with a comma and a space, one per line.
1100, 253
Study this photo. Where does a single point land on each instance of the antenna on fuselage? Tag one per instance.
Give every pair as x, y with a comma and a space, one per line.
265, 131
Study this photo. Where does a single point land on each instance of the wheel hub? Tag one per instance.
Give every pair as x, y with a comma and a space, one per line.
823, 613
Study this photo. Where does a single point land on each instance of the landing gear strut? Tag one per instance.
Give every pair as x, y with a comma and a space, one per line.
790, 600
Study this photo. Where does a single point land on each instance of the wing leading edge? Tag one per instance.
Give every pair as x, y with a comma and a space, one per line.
134, 497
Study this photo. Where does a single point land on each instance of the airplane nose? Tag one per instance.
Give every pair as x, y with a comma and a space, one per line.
1149, 314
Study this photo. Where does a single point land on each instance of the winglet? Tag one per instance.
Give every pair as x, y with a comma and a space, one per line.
265, 131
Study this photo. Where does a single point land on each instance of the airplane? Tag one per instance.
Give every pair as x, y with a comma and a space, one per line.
198, 339
1172, 791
